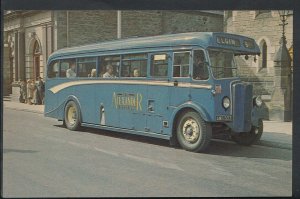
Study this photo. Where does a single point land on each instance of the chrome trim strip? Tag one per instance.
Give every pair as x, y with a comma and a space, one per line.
57, 88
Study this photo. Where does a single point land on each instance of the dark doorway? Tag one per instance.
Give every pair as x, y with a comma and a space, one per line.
36, 60
36, 66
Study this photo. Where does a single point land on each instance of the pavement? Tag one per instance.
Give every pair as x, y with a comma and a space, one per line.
276, 134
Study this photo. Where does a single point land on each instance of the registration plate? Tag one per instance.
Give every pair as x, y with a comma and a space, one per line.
224, 117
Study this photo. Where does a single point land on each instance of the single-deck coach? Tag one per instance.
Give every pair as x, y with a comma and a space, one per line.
181, 87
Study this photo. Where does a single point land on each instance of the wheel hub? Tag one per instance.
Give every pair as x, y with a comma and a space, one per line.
72, 115
191, 130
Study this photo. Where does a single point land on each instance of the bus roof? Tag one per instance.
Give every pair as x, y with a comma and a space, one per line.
240, 44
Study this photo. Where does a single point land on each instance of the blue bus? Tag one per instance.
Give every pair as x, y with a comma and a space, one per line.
181, 87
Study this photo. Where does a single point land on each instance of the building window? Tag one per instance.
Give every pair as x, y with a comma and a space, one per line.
263, 14
264, 52
228, 14
263, 11
36, 48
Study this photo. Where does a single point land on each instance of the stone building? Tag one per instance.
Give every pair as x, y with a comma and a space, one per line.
263, 26
28, 41
31, 36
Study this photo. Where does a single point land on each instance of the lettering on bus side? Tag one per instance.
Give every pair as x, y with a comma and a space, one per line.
127, 101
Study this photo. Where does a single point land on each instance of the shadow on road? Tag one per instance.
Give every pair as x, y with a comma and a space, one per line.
18, 151
127, 136
217, 146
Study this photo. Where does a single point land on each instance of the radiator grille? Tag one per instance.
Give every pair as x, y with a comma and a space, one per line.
242, 101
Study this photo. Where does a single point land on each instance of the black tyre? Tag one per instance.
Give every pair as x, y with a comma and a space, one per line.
251, 137
193, 133
72, 116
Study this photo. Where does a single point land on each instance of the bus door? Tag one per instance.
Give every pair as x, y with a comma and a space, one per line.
158, 92
131, 98
180, 92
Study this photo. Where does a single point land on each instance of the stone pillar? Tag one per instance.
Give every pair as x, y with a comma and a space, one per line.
280, 106
49, 40
21, 55
6, 67
44, 47
16, 50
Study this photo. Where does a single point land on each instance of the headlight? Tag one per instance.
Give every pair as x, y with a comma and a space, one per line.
258, 101
226, 102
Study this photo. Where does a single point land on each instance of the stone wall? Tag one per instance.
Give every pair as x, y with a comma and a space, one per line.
263, 26
191, 21
83, 27
141, 23
260, 26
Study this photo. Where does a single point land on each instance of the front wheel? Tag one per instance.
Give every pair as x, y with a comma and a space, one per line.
251, 137
72, 116
193, 133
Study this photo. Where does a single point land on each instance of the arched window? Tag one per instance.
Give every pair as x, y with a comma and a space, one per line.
264, 52
36, 60
36, 48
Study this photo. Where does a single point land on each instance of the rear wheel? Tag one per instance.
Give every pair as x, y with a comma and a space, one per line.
251, 137
72, 116
193, 133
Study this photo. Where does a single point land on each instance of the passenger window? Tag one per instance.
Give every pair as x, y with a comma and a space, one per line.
53, 70
86, 67
200, 70
159, 65
68, 68
109, 66
134, 65
181, 64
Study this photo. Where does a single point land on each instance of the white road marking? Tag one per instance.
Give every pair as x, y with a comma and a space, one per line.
154, 162
129, 156
213, 167
107, 152
260, 173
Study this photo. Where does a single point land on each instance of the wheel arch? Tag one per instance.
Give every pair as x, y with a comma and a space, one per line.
189, 106
76, 100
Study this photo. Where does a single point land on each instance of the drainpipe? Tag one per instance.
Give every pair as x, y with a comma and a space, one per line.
119, 24
67, 28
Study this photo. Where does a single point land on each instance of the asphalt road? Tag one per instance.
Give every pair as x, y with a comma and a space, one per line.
43, 159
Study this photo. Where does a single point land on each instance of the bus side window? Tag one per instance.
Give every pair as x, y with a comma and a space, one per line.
200, 70
86, 66
181, 64
53, 69
105, 61
134, 65
65, 68
159, 65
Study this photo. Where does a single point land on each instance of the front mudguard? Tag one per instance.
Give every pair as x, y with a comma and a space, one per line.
256, 115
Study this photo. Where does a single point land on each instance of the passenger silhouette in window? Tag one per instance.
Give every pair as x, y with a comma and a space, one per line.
199, 67
109, 72
71, 72
136, 73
